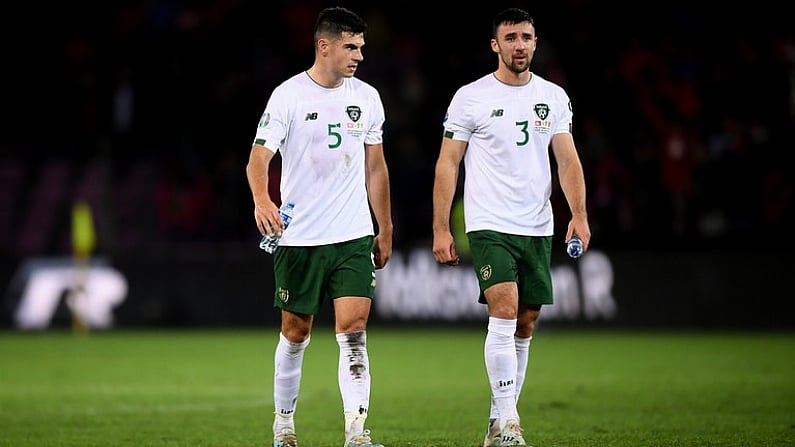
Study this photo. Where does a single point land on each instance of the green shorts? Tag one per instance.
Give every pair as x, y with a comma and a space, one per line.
306, 275
525, 260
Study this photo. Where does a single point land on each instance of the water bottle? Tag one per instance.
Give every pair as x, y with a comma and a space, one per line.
574, 247
269, 243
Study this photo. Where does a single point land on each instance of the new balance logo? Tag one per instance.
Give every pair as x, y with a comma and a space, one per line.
496, 112
311, 116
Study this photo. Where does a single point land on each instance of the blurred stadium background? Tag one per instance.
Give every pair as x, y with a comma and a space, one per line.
145, 111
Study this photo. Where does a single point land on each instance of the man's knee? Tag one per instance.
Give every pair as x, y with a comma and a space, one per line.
296, 327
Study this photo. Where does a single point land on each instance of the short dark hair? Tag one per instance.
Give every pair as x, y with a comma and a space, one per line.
333, 21
510, 16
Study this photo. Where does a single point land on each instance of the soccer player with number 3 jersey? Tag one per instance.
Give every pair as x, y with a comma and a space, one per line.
502, 126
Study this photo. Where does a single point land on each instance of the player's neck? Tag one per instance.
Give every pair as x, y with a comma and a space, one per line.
324, 78
509, 77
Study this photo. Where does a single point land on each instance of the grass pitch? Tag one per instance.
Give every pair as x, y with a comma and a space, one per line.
214, 388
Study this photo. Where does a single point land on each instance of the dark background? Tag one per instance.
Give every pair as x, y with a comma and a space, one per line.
147, 109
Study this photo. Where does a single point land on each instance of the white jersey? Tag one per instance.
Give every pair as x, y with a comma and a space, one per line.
321, 133
507, 167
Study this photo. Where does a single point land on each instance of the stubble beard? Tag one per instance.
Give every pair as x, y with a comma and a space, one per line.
514, 67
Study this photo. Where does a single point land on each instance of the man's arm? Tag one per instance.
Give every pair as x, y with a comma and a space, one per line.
444, 186
572, 182
377, 178
266, 213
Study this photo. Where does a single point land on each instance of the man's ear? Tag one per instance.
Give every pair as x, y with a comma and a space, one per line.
323, 45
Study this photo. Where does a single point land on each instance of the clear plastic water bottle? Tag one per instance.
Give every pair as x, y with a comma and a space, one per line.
269, 243
574, 247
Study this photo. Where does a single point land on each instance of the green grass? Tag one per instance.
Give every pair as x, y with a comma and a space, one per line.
213, 388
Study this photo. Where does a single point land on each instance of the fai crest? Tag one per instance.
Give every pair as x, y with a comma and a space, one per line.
284, 294
542, 110
354, 113
485, 272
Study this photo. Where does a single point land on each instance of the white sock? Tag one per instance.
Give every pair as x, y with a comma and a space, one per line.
501, 363
522, 357
288, 360
354, 379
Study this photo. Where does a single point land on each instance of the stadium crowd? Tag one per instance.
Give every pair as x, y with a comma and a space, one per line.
147, 109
